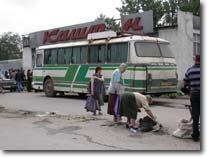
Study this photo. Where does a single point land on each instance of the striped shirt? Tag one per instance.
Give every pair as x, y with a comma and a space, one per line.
192, 77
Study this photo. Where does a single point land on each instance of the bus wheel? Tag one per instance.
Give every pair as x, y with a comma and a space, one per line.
49, 88
61, 94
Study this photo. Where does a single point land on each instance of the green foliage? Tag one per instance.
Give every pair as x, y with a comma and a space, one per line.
164, 11
111, 23
10, 46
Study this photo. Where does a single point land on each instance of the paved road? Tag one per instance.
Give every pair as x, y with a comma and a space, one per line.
31, 121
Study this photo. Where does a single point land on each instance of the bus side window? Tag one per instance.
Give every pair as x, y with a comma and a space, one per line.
97, 54
76, 58
68, 55
54, 56
101, 54
39, 60
83, 52
117, 53
47, 56
61, 56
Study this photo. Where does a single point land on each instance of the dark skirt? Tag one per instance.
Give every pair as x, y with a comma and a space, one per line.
128, 106
112, 106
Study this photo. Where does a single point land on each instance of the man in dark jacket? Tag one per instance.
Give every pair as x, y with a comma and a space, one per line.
192, 79
18, 78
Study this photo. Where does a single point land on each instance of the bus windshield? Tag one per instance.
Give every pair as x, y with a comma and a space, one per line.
166, 51
147, 49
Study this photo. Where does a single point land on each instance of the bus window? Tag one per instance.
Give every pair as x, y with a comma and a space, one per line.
147, 49
84, 51
68, 55
166, 51
47, 56
61, 56
76, 58
39, 60
101, 54
54, 56
97, 54
117, 53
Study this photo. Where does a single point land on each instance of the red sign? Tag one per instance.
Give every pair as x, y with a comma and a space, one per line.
74, 34
138, 23
134, 24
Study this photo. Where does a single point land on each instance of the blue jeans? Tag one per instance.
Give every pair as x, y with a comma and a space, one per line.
19, 86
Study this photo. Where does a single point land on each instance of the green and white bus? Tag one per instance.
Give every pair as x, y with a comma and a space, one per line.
67, 67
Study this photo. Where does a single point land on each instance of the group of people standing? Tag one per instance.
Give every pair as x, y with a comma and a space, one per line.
19, 76
120, 103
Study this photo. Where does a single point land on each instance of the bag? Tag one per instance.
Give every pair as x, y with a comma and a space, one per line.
91, 104
184, 130
146, 124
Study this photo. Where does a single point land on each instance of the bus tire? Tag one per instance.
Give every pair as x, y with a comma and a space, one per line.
62, 94
49, 88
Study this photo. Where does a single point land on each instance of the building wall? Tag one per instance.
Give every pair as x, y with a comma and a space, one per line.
181, 40
27, 58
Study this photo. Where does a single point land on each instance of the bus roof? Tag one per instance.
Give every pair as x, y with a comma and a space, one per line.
103, 41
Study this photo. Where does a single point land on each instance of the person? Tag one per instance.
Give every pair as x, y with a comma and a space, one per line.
18, 78
192, 79
1, 78
97, 88
29, 80
131, 103
6, 74
115, 89
22, 71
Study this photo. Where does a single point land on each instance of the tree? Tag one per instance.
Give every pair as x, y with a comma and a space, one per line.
190, 6
111, 23
164, 11
10, 46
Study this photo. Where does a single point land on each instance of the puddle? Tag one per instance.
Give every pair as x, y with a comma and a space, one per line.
11, 113
110, 124
64, 130
43, 122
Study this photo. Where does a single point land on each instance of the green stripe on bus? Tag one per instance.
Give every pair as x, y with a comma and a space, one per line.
82, 73
71, 72
51, 68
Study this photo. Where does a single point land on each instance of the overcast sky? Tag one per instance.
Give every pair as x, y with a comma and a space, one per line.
25, 16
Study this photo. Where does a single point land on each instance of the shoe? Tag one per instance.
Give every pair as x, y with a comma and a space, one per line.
136, 128
133, 130
195, 138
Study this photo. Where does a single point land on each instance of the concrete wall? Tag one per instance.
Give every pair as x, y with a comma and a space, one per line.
181, 40
27, 58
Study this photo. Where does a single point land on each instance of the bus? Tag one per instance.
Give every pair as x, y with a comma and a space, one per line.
67, 67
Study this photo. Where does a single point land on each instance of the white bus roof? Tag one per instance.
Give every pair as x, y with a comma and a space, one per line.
102, 41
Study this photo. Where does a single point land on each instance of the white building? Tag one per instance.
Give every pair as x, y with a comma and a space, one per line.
184, 39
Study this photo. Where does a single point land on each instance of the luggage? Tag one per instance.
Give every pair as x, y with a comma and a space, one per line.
184, 129
146, 124
91, 104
